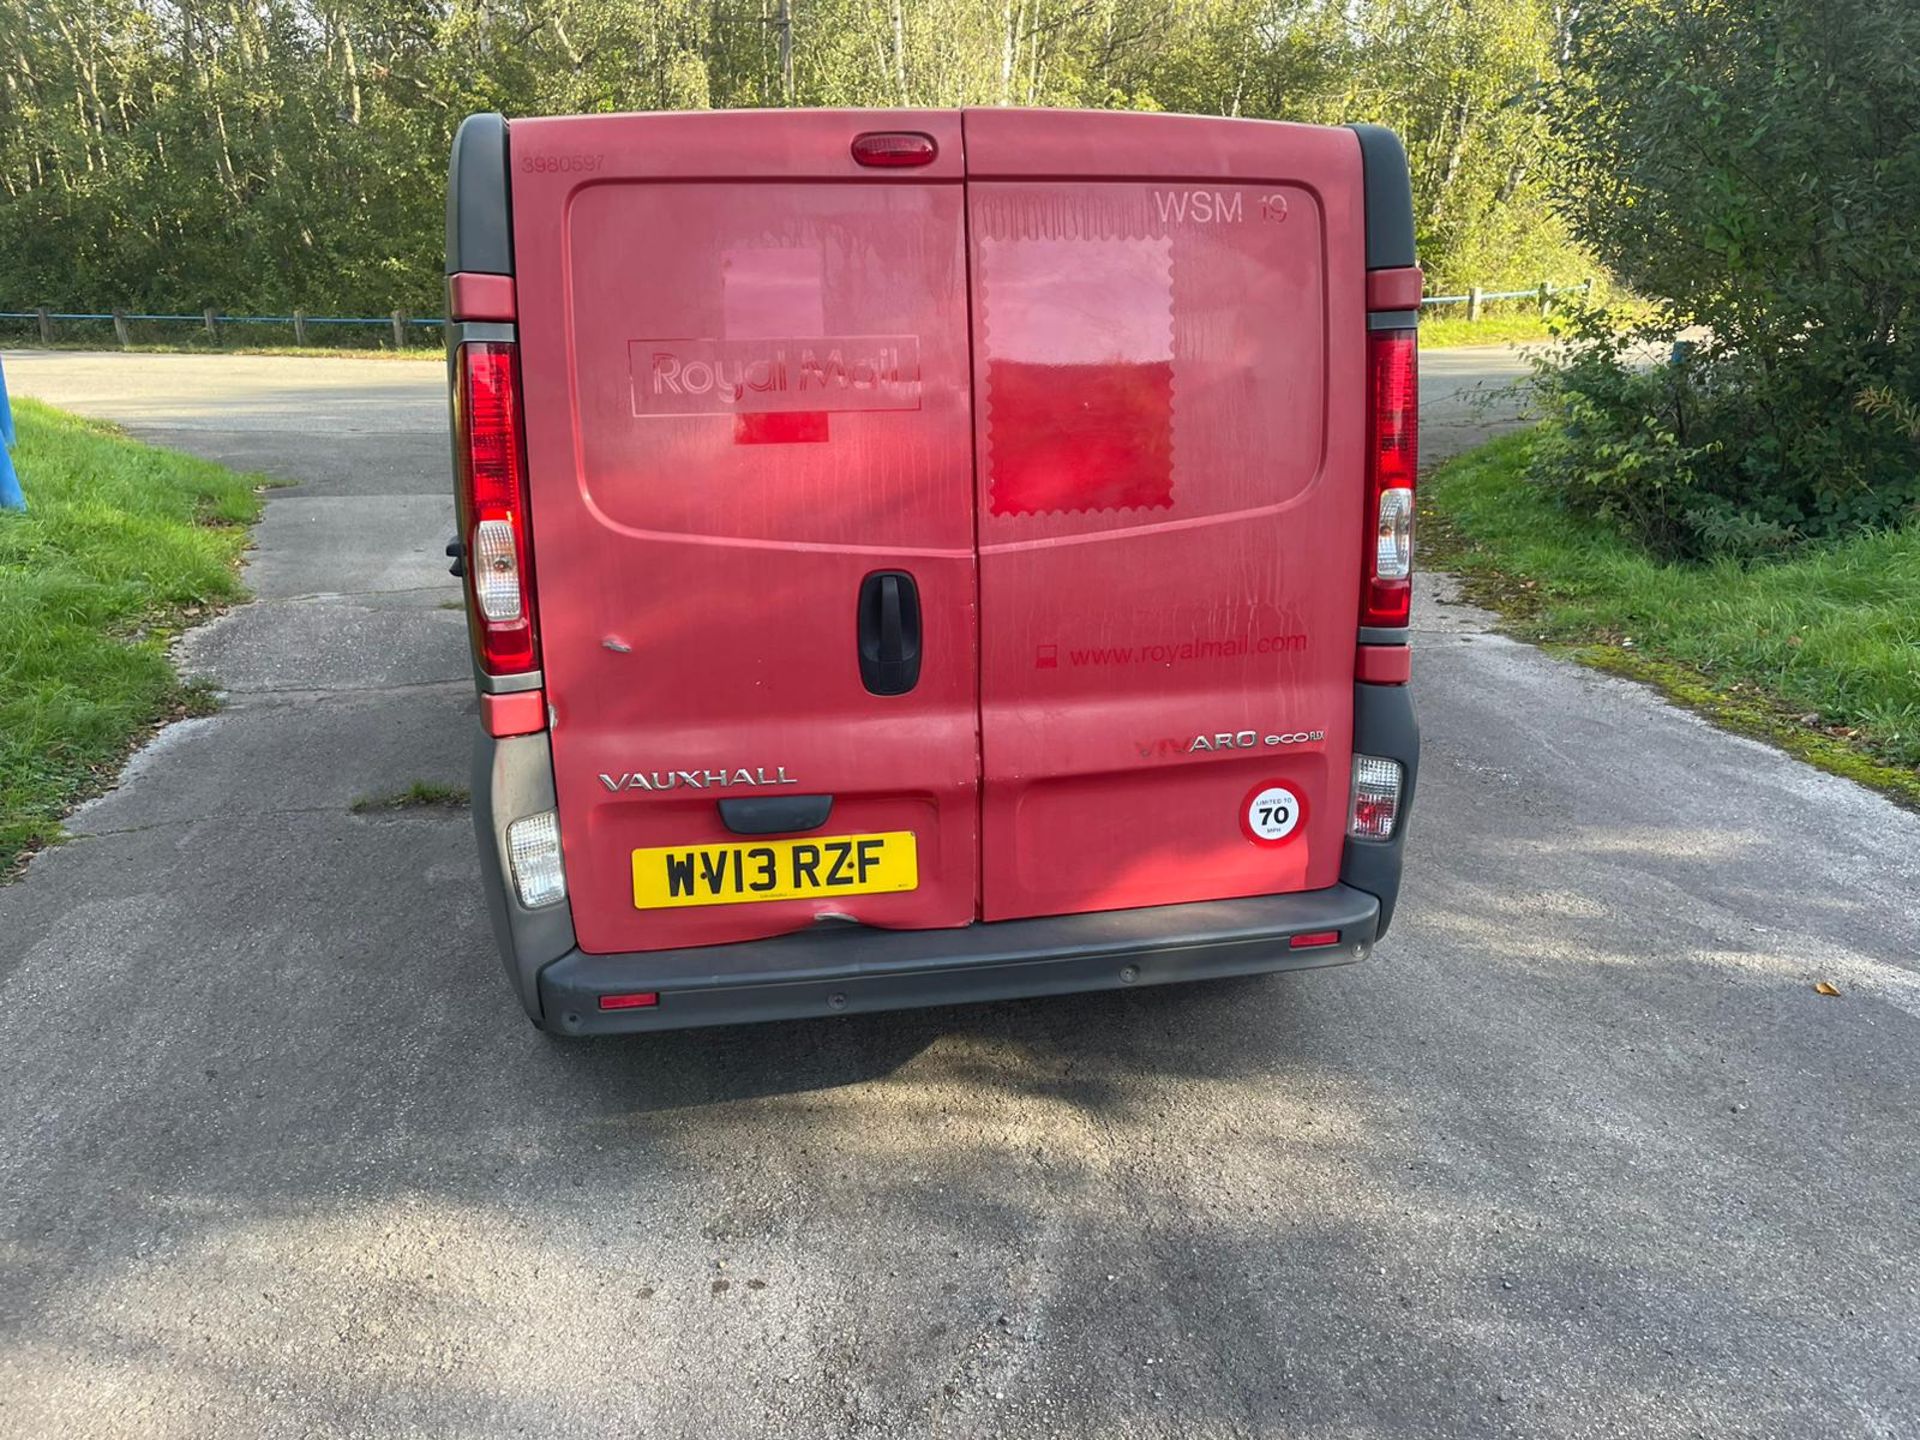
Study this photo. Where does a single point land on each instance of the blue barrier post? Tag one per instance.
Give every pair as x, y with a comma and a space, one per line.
10, 496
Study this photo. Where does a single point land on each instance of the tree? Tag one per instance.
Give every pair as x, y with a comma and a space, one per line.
1753, 167
263, 154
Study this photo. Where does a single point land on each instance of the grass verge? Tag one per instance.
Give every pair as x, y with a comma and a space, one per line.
420, 795
1440, 331
1818, 654
122, 546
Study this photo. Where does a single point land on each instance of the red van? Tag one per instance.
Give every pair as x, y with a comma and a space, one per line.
927, 556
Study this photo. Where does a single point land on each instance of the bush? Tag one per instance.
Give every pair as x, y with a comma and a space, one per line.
1698, 450
1753, 167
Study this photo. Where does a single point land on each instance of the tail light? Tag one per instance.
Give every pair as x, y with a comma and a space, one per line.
534, 857
1393, 423
493, 507
1375, 806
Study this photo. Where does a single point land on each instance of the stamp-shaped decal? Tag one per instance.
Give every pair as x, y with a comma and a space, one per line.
1078, 341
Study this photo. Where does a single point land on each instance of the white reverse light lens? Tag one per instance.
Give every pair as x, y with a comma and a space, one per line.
1376, 798
496, 570
1393, 551
533, 852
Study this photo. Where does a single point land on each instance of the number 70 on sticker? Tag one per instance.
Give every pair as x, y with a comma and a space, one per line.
1271, 813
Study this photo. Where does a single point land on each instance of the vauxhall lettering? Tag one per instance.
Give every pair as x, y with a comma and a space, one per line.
695, 779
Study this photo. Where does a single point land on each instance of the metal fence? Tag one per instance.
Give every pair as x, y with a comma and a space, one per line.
403, 325
399, 321
1476, 299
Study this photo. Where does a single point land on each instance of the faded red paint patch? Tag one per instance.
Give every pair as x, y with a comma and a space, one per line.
793, 427
1081, 437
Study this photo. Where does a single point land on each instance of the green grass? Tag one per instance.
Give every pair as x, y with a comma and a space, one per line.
121, 547
1818, 653
1440, 330
421, 794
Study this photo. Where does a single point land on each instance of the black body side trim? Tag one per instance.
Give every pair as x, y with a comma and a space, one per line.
1383, 724
846, 970
1389, 192
479, 215
776, 814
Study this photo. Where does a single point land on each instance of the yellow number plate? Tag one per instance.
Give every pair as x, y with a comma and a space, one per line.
674, 875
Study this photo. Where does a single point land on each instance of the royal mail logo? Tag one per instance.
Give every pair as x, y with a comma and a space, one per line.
748, 377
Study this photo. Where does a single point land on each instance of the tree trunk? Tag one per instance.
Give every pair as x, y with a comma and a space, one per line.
785, 27
1009, 21
899, 23
353, 76
1456, 152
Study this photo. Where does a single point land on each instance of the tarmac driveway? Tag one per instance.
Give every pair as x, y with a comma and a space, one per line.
1579, 1152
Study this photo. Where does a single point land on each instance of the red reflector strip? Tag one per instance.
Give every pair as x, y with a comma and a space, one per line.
473, 296
637, 1000
1383, 664
1397, 289
894, 148
521, 714
1313, 940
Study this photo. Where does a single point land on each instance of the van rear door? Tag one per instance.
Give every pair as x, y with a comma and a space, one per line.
1168, 351
749, 437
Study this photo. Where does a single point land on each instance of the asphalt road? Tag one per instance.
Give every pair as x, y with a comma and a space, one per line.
1579, 1152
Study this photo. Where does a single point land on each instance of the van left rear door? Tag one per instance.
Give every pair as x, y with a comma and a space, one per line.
749, 445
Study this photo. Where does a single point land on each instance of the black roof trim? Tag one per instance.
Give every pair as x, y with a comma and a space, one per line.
479, 216
1389, 192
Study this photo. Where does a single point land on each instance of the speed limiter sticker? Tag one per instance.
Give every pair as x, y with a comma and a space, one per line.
1272, 813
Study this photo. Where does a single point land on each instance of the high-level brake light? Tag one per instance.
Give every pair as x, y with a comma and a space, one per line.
1393, 416
493, 506
893, 148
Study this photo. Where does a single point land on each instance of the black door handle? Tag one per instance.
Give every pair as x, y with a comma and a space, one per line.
889, 632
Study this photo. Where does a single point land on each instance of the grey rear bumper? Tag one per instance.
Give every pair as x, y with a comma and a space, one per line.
846, 970
843, 970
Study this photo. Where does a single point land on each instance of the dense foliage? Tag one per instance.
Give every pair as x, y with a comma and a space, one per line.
262, 154
1754, 166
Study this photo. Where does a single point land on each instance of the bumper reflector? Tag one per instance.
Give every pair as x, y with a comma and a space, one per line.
1313, 940
1376, 798
636, 1000
533, 854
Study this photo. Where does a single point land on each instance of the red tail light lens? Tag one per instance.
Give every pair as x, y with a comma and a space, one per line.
493, 507
1393, 425
906, 147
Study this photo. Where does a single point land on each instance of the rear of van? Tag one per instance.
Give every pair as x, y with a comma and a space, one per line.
925, 556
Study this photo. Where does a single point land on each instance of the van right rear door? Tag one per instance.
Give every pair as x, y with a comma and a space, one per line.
1168, 327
